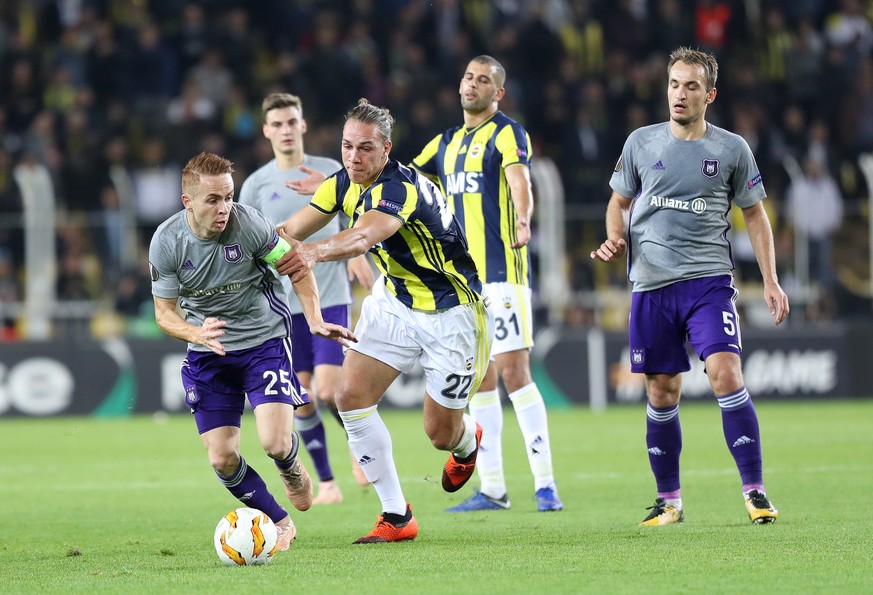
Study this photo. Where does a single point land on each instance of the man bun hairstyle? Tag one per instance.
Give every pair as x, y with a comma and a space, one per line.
368, 113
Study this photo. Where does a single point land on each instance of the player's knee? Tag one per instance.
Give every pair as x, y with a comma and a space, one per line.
326, 392
442, 437
516, 377
224, 462
278, 447
661, 397
725, 380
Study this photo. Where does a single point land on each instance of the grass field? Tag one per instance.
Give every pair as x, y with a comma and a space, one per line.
129, 506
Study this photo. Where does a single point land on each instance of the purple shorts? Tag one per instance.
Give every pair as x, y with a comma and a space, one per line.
216, 386
698, 311
310, 351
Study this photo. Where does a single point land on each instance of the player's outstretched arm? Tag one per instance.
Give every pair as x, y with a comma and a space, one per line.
371, 228
309, 184
761, 236
305, 222
307, 290
170, 322
617, 216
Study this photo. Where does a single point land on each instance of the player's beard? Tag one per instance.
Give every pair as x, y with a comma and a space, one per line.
476, 106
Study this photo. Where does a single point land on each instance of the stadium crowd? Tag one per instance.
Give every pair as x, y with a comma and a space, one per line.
113, 96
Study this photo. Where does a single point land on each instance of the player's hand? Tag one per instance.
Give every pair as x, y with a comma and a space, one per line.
207, 335
298, 262
522, 234
610, 250
338, 333
309, 184
776, 301
359, 269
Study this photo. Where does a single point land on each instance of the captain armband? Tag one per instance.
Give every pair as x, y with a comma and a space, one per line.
280, 249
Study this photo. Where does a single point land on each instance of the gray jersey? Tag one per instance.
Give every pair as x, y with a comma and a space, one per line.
223, 277
682, 193
265, 190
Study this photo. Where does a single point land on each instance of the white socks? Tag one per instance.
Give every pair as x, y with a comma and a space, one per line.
531, 413
371, 443
485, 408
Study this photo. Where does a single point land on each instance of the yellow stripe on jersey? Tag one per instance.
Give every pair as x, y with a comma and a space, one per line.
426, 264
470, 165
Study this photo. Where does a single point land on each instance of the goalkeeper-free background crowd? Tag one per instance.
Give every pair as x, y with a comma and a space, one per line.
112, 97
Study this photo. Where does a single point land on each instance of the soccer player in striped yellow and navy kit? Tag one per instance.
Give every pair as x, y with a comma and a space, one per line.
426, 307
484, 169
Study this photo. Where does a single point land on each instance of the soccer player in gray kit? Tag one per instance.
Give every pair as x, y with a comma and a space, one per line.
672, 189
213, 262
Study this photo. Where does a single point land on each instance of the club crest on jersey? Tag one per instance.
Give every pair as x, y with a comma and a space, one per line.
637, 356
507, 303
469, 364
710, 168
233, 253
476, 150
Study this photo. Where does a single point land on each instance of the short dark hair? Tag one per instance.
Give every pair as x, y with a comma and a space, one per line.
204, 164
280, 100
368, 113
497, 67
696, 58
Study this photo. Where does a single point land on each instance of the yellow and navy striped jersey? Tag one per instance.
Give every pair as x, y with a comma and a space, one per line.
470, 166
426, 263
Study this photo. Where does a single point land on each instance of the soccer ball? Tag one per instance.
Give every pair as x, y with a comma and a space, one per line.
245, 537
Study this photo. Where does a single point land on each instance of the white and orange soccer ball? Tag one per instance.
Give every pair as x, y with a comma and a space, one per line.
245, 537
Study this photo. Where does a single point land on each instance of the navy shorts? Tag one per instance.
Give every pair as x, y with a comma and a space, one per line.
701, 312
216, 386
309, 350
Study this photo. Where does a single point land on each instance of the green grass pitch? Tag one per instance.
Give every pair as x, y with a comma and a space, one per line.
129, 506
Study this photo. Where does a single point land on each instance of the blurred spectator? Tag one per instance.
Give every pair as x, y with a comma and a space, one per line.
804, 63
82, 80
157, 184
10, 293
23, 98
155, 73
212, 78
193, 36
815, 206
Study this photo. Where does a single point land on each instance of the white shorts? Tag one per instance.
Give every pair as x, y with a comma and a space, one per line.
452, 345
513, 319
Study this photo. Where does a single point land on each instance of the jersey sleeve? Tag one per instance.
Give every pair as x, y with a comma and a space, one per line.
625, 179
262, 233
513, 143
326, 199
426, 162
163, 267
747, 184
395, 198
